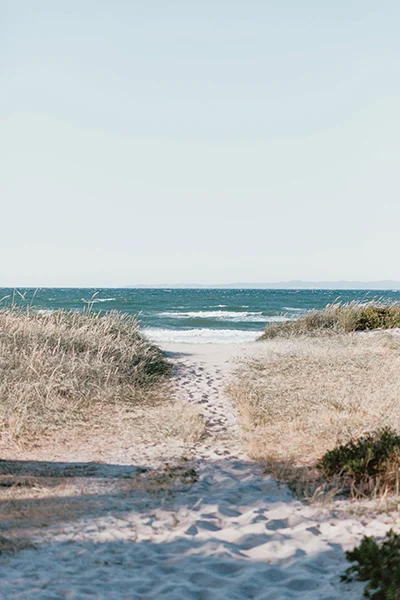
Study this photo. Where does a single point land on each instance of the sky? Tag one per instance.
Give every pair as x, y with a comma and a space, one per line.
210, 142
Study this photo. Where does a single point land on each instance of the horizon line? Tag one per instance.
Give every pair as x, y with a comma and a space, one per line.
382, 284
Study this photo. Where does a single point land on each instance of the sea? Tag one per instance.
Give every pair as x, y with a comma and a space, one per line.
204, 316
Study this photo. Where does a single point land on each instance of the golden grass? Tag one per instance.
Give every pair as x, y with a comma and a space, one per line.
67, 369
304, 395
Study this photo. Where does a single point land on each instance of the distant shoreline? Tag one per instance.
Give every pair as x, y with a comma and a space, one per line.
378, 286
282, 285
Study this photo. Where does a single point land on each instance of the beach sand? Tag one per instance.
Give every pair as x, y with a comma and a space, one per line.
222, 529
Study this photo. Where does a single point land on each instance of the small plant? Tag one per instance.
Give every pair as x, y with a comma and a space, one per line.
9, 545
373, 459
379, 565
172, 476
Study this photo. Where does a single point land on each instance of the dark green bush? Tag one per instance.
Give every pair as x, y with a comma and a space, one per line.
379, 565
370, 456
378, 317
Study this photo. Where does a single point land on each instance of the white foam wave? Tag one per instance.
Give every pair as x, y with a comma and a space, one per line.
201, 336
96, 300
293, 309
225, 315
278, 319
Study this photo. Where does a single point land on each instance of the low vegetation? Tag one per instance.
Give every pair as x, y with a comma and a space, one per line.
339, 318
10, 545
375, 457
306, 397
378, 565
67, 369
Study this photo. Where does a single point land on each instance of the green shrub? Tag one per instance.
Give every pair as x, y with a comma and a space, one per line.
370, 456
379, 565
378, 317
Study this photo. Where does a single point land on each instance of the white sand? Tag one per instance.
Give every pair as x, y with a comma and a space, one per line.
233, 534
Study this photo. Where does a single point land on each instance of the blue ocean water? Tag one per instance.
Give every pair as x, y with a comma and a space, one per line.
194, 315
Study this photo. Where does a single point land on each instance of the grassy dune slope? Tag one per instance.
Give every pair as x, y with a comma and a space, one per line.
302, 396
66, 369
313, 387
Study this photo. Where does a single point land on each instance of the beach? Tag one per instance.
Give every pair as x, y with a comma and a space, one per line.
200, 301
180, 521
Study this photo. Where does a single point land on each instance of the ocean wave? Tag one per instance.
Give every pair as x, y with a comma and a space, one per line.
201, 336
225, 315
226, 305
96, 300
278, 319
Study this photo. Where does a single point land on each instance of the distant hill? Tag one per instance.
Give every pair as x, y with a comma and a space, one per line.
286, 285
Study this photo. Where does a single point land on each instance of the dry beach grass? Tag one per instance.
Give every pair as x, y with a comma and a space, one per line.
304, 395
66, 369
85, 389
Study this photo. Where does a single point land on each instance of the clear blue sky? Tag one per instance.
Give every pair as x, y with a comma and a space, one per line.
214, 141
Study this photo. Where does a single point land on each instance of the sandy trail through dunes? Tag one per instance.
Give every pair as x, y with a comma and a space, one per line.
223, 530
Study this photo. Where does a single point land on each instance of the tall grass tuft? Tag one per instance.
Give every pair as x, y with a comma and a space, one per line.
339, 318
61, 367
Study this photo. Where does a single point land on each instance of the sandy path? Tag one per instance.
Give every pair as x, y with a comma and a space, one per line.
232, 534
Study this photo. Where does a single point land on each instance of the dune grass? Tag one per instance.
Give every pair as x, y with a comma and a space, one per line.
65, 369
88, 389
304, 395
339, 318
